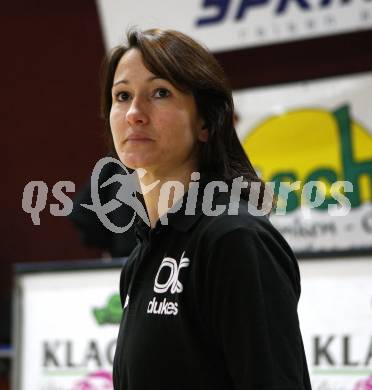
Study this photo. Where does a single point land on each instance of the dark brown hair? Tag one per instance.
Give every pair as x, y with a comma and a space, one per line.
191, 68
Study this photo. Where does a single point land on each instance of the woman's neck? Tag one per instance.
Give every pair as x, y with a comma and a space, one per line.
165, 194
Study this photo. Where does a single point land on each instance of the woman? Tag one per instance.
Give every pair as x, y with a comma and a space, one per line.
210, 299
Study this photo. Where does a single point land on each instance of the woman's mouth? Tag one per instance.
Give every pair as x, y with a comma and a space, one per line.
138, 138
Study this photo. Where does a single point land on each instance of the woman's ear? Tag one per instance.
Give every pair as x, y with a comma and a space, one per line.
203, 134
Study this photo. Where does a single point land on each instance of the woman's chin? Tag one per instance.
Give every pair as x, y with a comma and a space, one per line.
134, 162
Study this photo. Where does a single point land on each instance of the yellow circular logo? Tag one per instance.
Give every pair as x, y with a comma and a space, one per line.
314, 145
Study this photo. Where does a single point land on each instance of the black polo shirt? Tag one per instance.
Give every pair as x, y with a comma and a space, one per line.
210, 303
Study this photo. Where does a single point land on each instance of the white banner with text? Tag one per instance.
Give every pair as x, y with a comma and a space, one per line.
335, 312
68, 324
225, 25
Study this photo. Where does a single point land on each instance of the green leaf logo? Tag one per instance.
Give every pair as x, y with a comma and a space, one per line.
111, 313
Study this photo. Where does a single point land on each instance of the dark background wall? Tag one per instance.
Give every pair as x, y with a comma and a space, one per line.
50, 58
51, 131
299, 60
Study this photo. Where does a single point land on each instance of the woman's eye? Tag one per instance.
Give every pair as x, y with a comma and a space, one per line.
161, 93
122, 96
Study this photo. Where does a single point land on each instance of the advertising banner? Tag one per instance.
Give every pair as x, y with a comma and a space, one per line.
313, 142
335, 313
225, 25
69, 324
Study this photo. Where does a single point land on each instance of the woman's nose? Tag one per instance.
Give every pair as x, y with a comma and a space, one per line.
136, 114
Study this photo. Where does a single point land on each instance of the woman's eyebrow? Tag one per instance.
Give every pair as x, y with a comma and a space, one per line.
124, 81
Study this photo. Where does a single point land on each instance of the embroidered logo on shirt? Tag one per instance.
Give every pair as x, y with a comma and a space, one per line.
173, 284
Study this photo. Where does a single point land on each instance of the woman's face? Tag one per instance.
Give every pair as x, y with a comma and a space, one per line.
154, 125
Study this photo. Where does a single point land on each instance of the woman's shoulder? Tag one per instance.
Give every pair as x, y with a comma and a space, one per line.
245, 240
239, 217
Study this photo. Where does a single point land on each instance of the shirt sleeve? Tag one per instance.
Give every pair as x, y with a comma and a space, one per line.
249, 303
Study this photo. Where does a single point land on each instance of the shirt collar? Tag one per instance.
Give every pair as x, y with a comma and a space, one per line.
181, 220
